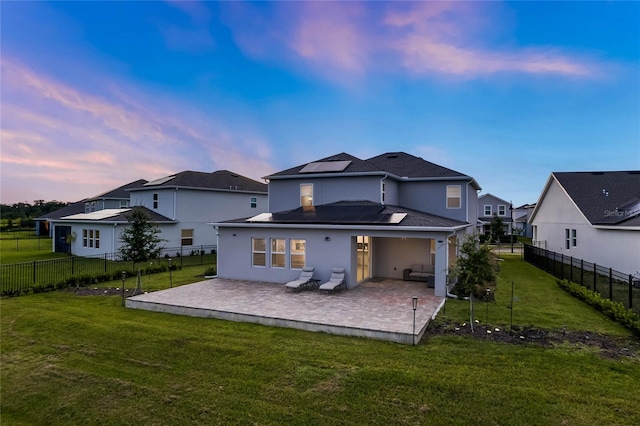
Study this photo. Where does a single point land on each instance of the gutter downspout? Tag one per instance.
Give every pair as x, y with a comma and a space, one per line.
217, 249
451, 295
175, 200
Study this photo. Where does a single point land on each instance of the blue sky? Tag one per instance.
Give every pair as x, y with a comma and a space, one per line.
98, 94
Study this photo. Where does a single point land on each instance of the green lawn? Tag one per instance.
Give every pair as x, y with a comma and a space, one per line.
538, 301
26, 247
86, 360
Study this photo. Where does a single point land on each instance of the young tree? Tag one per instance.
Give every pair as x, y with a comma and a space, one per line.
474, 269
497, 229
140, 241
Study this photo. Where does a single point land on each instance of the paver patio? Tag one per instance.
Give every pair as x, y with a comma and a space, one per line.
380, 308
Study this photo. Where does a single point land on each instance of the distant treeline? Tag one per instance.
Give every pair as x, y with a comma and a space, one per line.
26, 211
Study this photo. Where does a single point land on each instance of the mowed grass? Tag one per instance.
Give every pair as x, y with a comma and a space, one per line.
538, 302
86, 360
26, 247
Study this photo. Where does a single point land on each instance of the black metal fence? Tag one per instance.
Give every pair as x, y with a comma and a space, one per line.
608, 282
22, 277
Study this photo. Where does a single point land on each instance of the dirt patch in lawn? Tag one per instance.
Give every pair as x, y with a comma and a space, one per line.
608, 346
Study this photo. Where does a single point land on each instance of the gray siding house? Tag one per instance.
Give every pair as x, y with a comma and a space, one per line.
182, 205
489, 206
374, 218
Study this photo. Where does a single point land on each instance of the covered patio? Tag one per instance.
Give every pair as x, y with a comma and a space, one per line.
378, 308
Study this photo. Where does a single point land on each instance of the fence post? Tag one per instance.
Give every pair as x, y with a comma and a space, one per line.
562, 266
105, 263
630, 292
571, 268
201, 255
73, 265
610, 284
34, 271
595, 273
582, 272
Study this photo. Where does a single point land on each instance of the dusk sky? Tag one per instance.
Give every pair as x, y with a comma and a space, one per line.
95, 95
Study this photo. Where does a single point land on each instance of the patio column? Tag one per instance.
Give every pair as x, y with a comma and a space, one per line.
442, 266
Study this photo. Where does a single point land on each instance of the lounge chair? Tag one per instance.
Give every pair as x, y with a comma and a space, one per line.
336, 281
305, 281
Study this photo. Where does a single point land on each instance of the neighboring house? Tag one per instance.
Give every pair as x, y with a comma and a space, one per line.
114, 199
594, 216
489, 206
182, 205
521, 217
374, 218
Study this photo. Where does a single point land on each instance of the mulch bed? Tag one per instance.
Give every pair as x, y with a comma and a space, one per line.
609, 346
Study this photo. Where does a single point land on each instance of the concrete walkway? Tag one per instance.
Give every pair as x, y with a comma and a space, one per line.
379, 309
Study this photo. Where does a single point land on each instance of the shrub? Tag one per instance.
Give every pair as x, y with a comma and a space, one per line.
210, 272
614, 310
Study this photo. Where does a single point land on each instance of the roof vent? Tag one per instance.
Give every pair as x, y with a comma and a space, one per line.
597, 173
392, 156
605, 192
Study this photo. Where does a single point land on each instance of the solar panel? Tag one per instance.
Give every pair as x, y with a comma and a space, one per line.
325, 166
340, 214
159, 181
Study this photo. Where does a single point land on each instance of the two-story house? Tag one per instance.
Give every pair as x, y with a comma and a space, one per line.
594, 216
182, 205
490, 206
374, 218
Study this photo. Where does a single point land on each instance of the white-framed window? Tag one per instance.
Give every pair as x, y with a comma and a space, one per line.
186, 237
155, 200
574, 238
278, 252
487, 210
297, 256
253, 202
306, 194
91, 238
382, 190
454, 196
90, 207
567, 238
258, 252
124, 204
502, 210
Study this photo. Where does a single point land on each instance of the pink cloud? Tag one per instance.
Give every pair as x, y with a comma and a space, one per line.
342, 39
62, 142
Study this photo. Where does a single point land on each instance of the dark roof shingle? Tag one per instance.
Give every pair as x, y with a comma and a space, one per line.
218, 180
605, 198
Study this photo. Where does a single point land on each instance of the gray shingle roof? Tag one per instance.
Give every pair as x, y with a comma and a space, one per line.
331, 213
406, 165
400, 164
73, 208
119, 193
218, 180
605, 198
356, 166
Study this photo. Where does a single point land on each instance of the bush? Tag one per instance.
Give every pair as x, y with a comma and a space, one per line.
614, 310
210, 272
